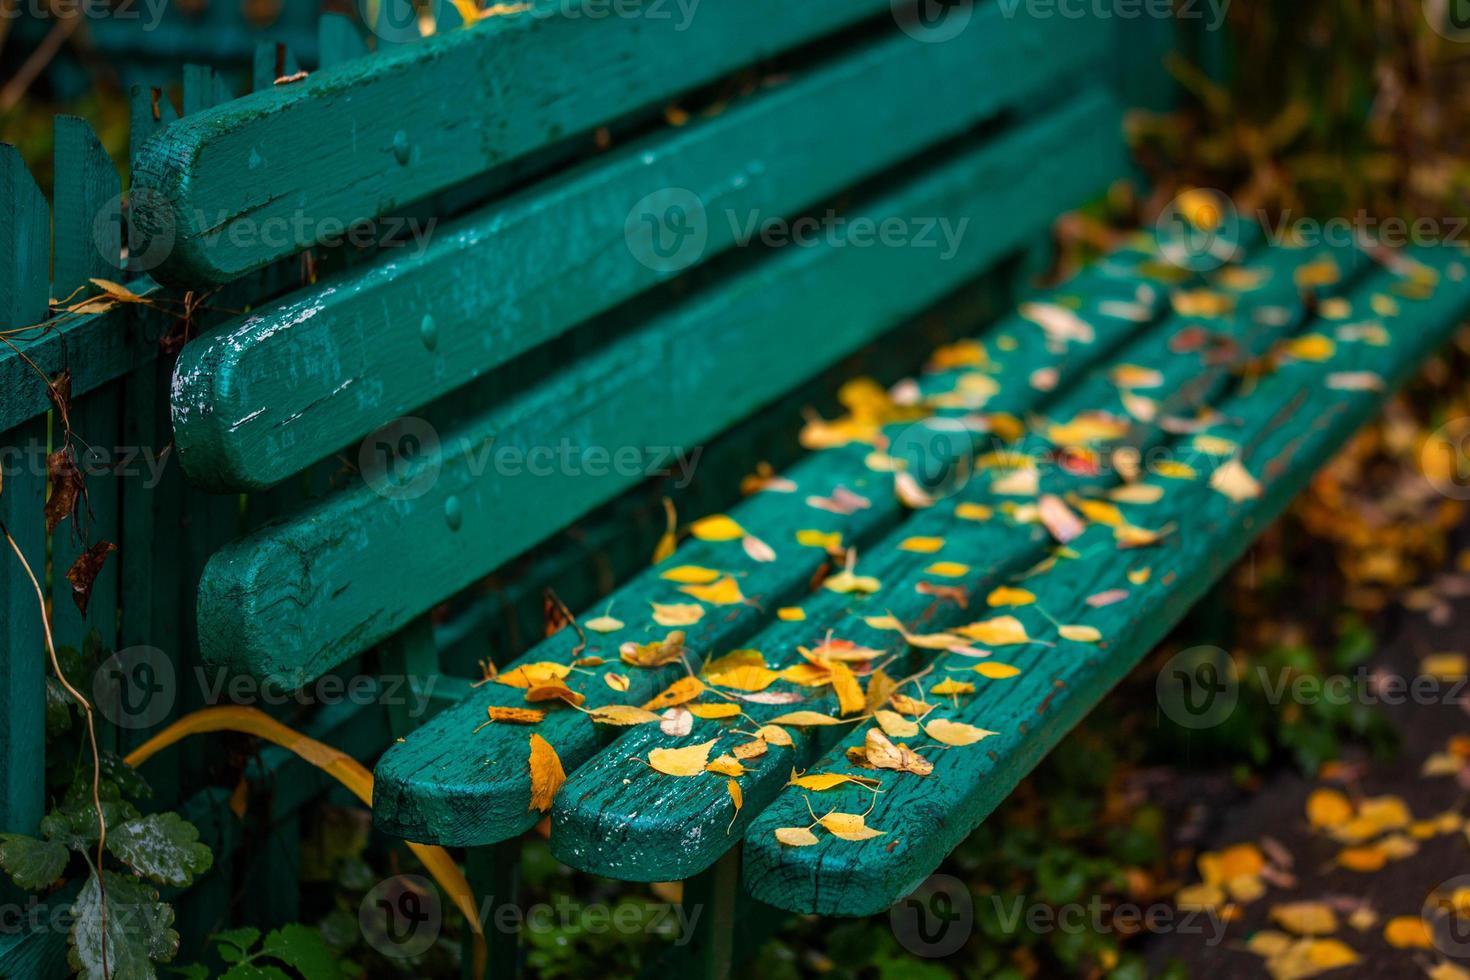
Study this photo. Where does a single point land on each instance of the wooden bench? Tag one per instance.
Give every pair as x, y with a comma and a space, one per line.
1016, 527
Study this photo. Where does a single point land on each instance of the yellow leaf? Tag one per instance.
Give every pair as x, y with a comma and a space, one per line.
1139, 576
1080, 634
716, 527
849, 826
677, 613
805, 719
604, 624
1365, 859
547, 774
1005, 596
791, 614
955, 732
1238, 861
1174, 470
1305, 918
714, 711
725, 592
774, 734
995, 670
1101, 512
845, 582
1408, 932
726, 765
923, 546
745, 657
796, 836
737, 798
849, 692
683, 690
1311, 347
757, 549
895, 724
1328, 808
826, 540
1137, 493
750, 677
533, 675
688, 761
998, 631
622, 714
518, 716
654, 654
1447, 667
973, 512
952, 686
691, 575
555, 691
948, 569
1233, 480
618, 682
817, 782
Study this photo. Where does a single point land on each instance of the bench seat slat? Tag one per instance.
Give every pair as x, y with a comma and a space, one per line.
294, 599
361, 139
618, 818
1288, 424
439, 786
294, 382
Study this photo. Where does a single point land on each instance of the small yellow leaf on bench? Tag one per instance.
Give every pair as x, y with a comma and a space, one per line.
726, 765
1080, 634
998, 631
618, 682
1006, 596
519, 716
895, 724
604, 624
716, 527
955, 732
688, 761
995, 670
750, 677
691, 575
683, 690
796, 836
530, 675
1311, 347
952, 686
677, 613
849, 692
553, 692
725, 592
737, 798
849, 826
804, 719
922, 545
622, 714
547, 775
1233, 480
714, 711
948, 569
791, 614
826, 540
774, 734
973, 512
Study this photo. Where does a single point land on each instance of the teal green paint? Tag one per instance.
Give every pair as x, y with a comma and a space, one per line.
442, 787
292, 600
325, 144
618, 818
297, 380
1285, 440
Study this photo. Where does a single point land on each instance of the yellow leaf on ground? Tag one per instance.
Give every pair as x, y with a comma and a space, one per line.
1448, 667
547, 775
1328, 808
688, 761
1305, 918
1408, 932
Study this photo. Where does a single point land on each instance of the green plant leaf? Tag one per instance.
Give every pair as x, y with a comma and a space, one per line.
234, 944
32, 864
254, 971
163, 847
76, 825
303, 949
137, 933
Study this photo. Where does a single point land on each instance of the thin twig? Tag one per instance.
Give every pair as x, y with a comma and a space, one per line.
32, 67
91, 732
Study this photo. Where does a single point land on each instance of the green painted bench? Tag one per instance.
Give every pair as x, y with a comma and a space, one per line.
990, 545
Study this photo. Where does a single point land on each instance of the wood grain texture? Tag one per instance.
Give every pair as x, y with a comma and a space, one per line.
25, 238
293, 600
1288, 425
619, 818
299, 379
443, 786
358, 140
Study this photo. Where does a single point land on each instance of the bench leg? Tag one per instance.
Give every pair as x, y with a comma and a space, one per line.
710, 900
494, 873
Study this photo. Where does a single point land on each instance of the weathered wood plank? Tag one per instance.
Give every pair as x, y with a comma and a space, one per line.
293, 600
440, 786
617, 817
1287, 426
357, 141
25, 239
296, 381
